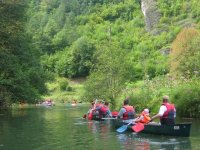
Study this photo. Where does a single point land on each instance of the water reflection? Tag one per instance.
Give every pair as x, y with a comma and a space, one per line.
59, 128
99, 128
104, 133
129, 142
147, 142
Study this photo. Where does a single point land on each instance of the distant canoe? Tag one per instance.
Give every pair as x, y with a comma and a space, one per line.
180, 129
47, 104
73, 104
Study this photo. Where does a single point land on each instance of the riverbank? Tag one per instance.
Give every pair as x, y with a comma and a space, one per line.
73, 90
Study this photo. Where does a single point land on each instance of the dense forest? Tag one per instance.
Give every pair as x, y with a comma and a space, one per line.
139, 48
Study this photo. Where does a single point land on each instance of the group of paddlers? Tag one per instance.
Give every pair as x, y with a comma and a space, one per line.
99, 110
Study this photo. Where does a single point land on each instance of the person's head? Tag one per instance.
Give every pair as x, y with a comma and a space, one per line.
106, 103
165, 99
92, 103
126, 101
146, 111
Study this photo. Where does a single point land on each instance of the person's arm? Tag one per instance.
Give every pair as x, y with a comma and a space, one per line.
121, 112
174, 112
160, 113
156, 116
109, 113
138, 119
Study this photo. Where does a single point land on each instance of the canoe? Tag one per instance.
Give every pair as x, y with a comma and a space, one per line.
180, 129
97, 118
73, 104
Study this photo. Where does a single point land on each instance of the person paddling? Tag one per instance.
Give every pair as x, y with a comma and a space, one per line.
104, 110
126, 112
167, 112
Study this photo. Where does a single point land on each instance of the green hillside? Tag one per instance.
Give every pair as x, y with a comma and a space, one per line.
138, 48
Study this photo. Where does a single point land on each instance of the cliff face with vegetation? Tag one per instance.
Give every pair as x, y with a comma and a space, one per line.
151, 14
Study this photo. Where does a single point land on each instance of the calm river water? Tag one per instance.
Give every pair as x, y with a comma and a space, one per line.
62, 128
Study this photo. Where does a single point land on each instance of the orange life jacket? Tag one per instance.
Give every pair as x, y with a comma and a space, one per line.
145, 119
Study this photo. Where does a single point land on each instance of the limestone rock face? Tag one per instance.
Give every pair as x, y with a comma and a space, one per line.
151, 14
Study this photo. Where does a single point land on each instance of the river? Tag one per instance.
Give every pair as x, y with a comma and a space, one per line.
62, 128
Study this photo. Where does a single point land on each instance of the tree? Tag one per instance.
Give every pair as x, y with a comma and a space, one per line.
110, 73
82, 53
185, 53
21, 76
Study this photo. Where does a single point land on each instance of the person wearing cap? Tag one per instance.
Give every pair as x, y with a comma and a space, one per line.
126, 112
143, 117
167, 112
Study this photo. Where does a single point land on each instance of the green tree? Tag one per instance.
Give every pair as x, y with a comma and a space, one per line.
21, 76
109, 74
82, 53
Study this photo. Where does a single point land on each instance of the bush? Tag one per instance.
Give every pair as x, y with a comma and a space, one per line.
63, 84
187, 99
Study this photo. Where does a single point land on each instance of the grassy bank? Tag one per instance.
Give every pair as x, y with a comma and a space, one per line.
63, 90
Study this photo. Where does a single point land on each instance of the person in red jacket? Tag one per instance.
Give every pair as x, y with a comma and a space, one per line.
126, 112
104, 110
167, 112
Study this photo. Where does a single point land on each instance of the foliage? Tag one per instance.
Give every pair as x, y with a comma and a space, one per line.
183, 92
105, 41
21, 77
110, 73
62, 90
185, 53
82, 53
187, 98
63, 84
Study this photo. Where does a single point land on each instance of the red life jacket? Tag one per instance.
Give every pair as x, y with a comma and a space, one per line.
129, 114
98, 105
100, 111
169, 114
103, 109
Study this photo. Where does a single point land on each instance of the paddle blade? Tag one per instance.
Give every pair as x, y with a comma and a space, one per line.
138, 127
122, 128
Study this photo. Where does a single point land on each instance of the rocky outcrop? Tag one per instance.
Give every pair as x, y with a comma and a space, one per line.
151, 14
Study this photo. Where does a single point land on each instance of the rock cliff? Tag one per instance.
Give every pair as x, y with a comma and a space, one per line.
151, 14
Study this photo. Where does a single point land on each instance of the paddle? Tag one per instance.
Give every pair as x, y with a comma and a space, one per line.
123, 128
138, 127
